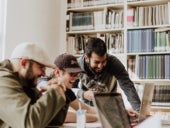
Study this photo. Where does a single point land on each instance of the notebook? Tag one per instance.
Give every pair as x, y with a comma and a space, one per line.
151, 122
146, 102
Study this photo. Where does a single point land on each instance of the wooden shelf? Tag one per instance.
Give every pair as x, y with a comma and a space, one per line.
96, 7
152, 81
147, 2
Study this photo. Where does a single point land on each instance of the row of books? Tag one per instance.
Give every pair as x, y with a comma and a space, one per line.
75, 44
87, 3
81, 21
148, 15
161, 95
104, 19
153, 66
148, 40
111, 19
114, 42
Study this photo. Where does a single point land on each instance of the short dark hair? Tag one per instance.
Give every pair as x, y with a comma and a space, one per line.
96, 45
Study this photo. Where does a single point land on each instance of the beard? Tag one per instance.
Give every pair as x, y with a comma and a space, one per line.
29, 78
93, 69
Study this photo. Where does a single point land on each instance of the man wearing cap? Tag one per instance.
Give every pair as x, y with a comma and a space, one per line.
22, 105
65, 73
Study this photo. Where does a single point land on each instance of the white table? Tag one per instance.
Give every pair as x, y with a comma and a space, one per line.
73, 125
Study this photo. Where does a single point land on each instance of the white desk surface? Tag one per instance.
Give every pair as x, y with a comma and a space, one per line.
89, 125
73, 125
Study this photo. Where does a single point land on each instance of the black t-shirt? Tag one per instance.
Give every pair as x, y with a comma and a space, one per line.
70, 96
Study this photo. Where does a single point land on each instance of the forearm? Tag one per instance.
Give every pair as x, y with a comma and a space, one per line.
128, 87
132, 96
70, 117
91, 117
91, 110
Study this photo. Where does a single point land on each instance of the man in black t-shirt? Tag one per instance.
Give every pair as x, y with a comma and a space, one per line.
66, 72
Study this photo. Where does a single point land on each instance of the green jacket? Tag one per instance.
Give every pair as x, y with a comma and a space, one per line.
22, 107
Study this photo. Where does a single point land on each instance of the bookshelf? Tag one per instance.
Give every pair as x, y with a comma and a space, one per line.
136, 31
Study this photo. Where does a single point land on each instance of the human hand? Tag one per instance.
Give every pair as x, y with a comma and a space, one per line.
134, 116
51, 83
58, 81
61, 88
88, 95
132, 113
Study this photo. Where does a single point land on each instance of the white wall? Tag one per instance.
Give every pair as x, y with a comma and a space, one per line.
41, 21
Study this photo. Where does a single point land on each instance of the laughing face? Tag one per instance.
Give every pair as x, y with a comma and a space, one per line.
67, 78
96, 63
33, 71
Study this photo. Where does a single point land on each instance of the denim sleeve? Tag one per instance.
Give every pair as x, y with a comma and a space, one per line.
80, 94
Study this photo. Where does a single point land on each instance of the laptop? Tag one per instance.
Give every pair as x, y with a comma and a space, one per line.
111, 110
146, 101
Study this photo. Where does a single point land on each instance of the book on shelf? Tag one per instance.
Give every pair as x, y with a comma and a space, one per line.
81, 21
75, 3
168, 12
131, 62
67, 22
130, 17
148, 15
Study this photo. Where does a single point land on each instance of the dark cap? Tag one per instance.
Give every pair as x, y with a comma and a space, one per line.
68, 63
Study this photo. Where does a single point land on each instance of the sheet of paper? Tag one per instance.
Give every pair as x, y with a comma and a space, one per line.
151, 122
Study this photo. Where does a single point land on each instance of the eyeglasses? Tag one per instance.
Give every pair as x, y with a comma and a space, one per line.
73, 74
39, 65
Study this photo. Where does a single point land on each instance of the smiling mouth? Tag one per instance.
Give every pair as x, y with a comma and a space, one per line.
71, 82
98, 70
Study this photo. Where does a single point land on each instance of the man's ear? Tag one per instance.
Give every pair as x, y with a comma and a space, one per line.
56, 71
24, 62
86, 58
